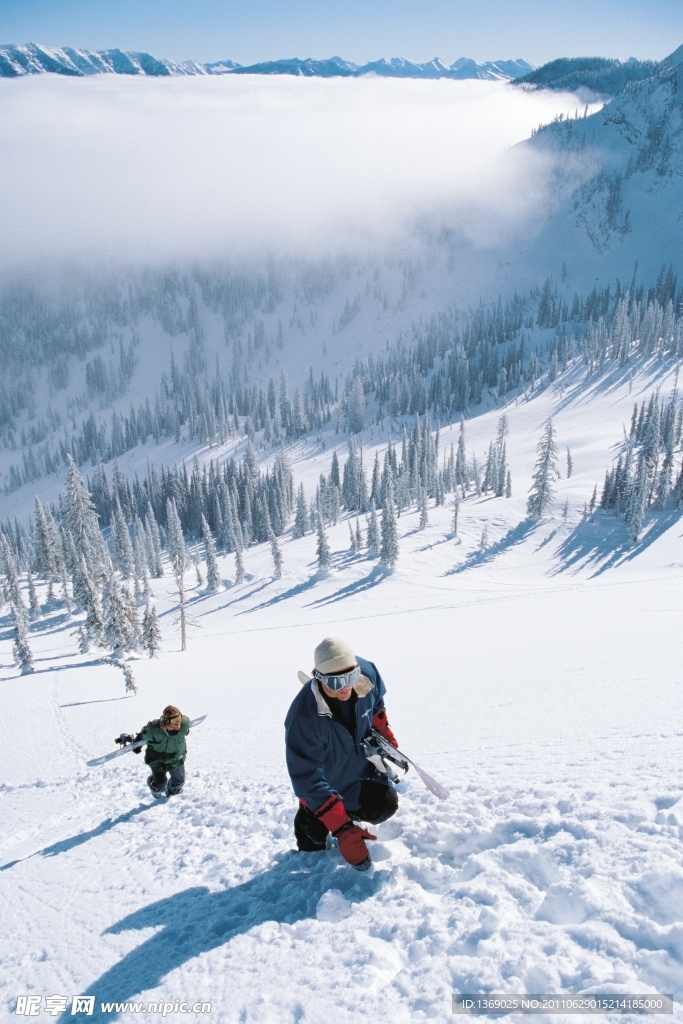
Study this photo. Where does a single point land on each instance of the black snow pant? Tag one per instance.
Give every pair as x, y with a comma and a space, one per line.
378, 803
176, 780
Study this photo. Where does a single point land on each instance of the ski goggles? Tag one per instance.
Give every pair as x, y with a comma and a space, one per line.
339, 680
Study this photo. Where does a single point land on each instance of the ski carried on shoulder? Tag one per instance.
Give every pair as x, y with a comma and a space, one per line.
132, 746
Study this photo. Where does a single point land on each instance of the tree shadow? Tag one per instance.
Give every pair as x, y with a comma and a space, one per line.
83, 837
298, 588
602, 542
101, 700
374, 577
197, 920
516, 535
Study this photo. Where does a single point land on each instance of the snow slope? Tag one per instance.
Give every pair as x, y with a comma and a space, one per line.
536, 678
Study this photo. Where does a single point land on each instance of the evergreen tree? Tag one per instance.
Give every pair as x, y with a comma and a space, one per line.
570, 464
94, 622
456, 509
322, 546
484, 541
356, 406
508, 485
178, 556
121, 627
424, 510
177, 552
239, 566
213, 579
301, 523
389, 550
461, 476
359, 536
34, 603
372, 539
277, 556
152, 528
80, 520
48, 554
545, 473
151, 633
637, 500
82, 641
121, 547
21, 650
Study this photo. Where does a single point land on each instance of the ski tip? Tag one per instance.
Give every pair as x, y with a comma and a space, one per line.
303, 678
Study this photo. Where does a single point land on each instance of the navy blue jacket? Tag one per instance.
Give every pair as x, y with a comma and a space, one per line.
322, 756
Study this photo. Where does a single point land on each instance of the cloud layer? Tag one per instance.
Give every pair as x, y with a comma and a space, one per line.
158, 169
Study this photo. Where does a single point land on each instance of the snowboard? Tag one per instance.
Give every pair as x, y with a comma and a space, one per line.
131, 746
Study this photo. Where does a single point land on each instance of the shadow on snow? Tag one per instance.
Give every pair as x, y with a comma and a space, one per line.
516, 535
197, 921
83, 837
602, 541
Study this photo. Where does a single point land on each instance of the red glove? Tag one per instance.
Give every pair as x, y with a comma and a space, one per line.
351, 838
353, 848
380, 722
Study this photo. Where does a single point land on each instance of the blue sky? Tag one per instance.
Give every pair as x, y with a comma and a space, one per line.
359, 30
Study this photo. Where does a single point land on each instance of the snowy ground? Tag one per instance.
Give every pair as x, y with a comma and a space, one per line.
539, 680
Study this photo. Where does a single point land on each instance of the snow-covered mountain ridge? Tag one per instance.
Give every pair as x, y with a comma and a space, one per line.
618, 184
31, 58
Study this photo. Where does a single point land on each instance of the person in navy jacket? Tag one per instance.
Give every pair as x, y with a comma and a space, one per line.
335, 783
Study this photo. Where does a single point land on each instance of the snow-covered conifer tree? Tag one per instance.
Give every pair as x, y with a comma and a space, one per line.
213, 579
178, 555
461, 475
359, 536
152, 528
424, 508
94, 622
34, 603
570, 464
121, 626
121, 548
637, 500
301, 523
21, 650
356, 406
456, 509
542, 491
277, 556
389, 550
372, 539
151, 633
79, 519
48, 551
239, 566
322, 546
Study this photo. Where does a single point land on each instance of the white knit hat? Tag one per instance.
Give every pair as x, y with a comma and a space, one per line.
333, 655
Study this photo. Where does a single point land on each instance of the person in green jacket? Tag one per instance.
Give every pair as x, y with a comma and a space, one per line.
166, 751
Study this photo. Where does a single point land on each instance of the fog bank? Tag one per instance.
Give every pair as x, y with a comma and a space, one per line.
194, 167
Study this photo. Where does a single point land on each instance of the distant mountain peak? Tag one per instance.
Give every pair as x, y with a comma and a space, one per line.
17, 60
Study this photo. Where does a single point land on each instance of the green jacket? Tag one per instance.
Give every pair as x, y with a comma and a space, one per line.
165, 750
